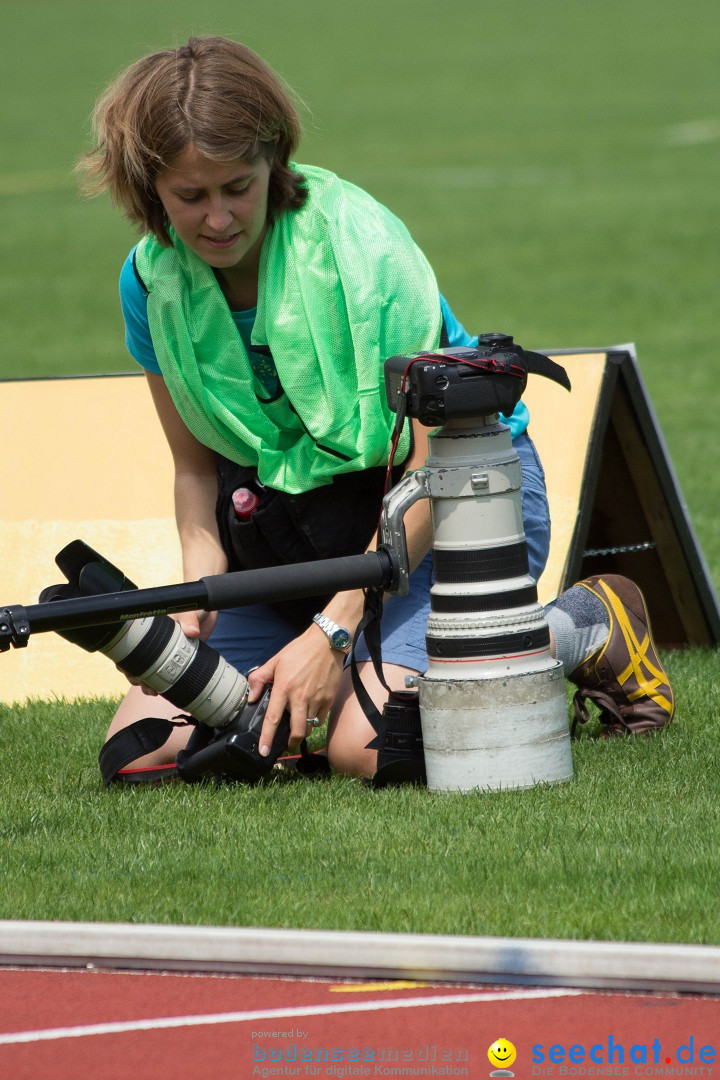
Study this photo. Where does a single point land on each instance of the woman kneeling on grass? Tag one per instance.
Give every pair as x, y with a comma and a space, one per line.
262, 301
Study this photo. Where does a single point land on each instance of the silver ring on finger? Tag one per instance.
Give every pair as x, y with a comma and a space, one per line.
314, 721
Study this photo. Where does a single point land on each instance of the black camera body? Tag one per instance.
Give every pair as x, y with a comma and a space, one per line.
464, 383
232, 753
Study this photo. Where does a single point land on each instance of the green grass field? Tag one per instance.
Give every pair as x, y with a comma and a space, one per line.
559, 162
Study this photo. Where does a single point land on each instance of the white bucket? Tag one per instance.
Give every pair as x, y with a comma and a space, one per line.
509, 731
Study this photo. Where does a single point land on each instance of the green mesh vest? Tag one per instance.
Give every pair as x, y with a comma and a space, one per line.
342, 287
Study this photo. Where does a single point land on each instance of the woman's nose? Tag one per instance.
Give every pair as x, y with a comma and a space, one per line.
218, 216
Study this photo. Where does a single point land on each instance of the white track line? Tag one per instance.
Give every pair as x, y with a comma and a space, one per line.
160, 1023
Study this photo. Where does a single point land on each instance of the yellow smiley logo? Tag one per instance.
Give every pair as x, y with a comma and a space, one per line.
501, 1054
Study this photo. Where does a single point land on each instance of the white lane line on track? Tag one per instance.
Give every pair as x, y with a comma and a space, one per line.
164, 1022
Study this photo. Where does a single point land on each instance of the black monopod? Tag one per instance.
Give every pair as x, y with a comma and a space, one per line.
18, 622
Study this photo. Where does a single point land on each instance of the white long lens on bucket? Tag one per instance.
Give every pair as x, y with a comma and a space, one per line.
492, 701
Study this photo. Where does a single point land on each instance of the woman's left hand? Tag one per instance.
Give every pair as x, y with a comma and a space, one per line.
305, 676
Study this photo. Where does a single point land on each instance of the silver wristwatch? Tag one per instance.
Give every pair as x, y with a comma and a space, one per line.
338, 636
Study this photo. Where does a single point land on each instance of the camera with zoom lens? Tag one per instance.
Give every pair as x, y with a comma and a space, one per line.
187, 672
154, 650
464, 383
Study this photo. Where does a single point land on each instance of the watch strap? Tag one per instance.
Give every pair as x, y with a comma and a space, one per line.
338, 637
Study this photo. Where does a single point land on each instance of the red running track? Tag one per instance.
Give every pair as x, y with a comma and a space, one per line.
101, 1025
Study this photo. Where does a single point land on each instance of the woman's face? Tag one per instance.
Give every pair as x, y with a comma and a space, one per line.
218, 210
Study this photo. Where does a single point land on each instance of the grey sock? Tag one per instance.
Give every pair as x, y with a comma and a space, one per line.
580, 625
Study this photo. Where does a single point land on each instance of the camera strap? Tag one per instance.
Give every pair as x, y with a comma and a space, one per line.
398, 734
205, 757
143, 737
369, 625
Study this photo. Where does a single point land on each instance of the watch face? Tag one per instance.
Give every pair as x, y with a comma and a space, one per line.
339, 639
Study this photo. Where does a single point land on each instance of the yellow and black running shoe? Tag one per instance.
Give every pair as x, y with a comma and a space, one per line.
624, 678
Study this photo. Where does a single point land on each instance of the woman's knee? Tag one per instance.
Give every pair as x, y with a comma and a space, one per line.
349, 732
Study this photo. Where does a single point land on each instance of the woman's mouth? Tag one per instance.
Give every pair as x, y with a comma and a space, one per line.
221, 242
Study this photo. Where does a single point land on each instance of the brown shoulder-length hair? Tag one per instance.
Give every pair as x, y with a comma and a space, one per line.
214, 94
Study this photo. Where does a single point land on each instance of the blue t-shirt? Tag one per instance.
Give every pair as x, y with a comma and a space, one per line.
138, 339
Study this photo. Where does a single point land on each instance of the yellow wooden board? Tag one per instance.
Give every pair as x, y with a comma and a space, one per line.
561, 425
86, 459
